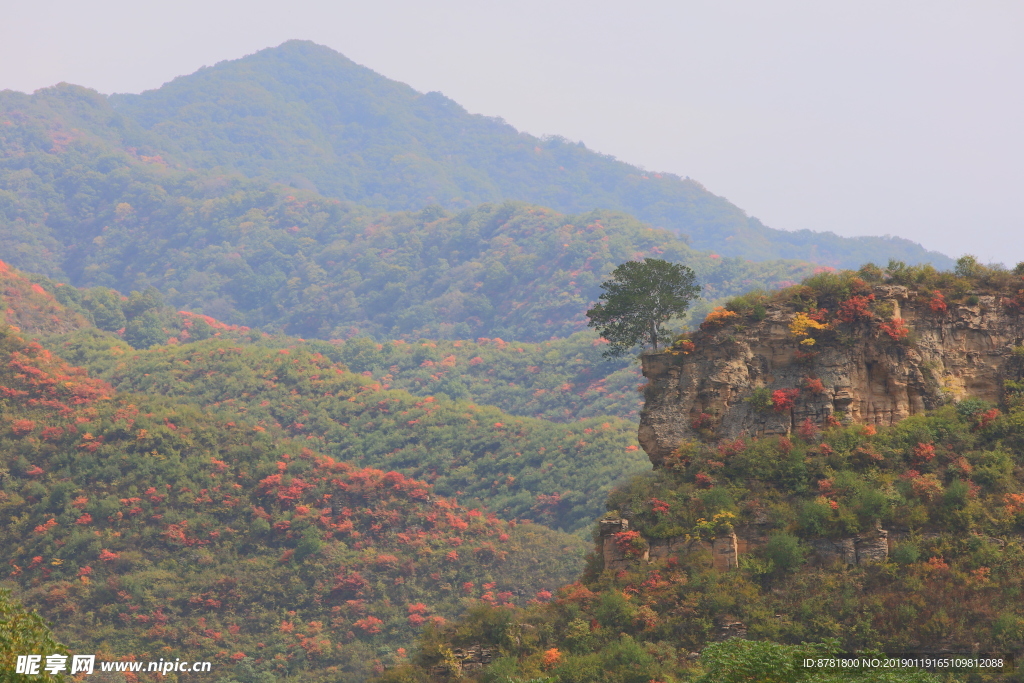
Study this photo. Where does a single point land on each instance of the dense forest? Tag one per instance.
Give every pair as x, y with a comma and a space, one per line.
953, 477
142, 525
558, 380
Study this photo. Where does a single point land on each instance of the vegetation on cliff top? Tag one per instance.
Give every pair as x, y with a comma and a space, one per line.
831, 297
638, 300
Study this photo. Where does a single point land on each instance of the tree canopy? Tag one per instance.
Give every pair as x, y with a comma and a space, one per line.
639, 299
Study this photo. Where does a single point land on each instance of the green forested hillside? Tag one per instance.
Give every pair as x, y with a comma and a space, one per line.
153, 528
77, 209
559, 380
515, 464
520, 467
303, 115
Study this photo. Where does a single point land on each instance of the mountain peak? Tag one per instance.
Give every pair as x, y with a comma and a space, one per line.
305, 115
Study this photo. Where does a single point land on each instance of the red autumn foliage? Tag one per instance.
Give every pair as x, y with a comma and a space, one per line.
896, 329
814, 385
924, 452
45, 526
369, 624
819, 316
51, 433
703, 421
630, 543
784, 399
551, 658
22, 427
987, 418
728, 449
855, 309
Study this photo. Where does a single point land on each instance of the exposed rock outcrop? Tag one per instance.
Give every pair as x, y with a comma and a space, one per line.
725, 553
865, 373
726, 550
463, 661
612, 553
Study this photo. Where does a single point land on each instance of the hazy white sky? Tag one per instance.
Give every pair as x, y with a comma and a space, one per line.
868, 117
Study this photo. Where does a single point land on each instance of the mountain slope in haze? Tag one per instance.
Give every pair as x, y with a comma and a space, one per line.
305, 115
76, 207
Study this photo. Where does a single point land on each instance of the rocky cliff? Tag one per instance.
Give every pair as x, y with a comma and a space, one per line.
886, 354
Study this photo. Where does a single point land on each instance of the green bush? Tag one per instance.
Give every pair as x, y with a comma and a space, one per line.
761, 399
784, 551
905, 553
969, 407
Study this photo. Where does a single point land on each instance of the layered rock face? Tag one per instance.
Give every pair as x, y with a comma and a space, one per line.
866, 373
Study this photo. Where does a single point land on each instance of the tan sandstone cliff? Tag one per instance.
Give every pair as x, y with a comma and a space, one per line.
865, 373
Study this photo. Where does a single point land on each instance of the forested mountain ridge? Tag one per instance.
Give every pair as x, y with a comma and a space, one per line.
77, 208
304, 115
562, 380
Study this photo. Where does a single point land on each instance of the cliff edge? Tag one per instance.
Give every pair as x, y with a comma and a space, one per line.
881, 354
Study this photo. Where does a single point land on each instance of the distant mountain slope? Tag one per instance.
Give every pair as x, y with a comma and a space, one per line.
303, 114
76, 206
561, 380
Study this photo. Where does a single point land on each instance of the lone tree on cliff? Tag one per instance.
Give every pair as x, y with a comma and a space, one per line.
638, 300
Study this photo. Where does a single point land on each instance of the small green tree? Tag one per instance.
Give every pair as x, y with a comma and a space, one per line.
638, 300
